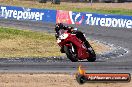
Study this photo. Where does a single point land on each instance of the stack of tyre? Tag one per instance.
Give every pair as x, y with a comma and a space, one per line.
42, 1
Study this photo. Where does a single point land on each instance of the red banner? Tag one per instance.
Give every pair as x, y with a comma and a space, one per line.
63, 17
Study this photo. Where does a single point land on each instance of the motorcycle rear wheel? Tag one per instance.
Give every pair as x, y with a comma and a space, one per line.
71, 55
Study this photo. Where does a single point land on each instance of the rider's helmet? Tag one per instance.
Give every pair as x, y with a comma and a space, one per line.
59, 26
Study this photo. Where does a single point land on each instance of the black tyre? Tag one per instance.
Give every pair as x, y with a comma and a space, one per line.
92, 54
56, 1
42, 1
70, 54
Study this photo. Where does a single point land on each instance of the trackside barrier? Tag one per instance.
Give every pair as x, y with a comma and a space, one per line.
68, 17
21, 13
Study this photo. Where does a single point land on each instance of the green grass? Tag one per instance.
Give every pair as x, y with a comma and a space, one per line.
23, 43
78, 7
10, 32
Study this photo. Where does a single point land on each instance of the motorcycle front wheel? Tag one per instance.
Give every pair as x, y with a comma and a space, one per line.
71, 53
92, 54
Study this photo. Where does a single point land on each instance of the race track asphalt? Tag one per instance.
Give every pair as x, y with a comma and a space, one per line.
120, 38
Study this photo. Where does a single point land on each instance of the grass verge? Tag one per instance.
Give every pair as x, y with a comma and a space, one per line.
107, 8
19, 43
25, 43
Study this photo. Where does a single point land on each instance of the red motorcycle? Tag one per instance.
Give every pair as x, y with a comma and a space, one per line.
74, 47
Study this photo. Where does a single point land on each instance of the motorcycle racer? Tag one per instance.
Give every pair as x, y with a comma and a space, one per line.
72, 30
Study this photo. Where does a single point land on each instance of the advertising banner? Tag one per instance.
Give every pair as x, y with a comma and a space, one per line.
21, 13
96, 19
67, 17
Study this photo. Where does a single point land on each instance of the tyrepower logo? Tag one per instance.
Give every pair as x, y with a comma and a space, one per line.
77, 18
83, 77
20, 14
108, 22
